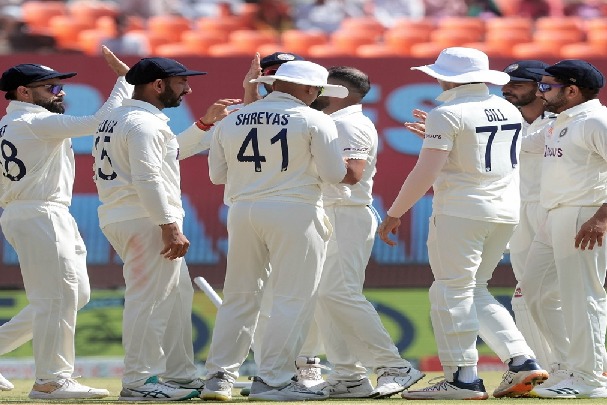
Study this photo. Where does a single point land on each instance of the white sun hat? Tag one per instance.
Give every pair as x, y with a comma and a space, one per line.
464, 65
306, 73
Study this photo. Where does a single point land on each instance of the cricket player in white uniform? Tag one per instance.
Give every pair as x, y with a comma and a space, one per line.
38, 170
568, 255
521, 91
272, 155
137, 175
470, 157
352, 332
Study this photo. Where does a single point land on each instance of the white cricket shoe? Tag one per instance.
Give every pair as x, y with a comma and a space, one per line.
294, 391
309, 371
5, 385
346, 388
218, 387
553, 379
392, 380
446, 390
155, 390
66, 388
519, 380
572, 387
195, 384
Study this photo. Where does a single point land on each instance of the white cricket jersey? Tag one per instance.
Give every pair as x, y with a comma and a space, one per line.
481, 132
358, 140
136, 167
532, 155
36, 156
275, 148
575, 158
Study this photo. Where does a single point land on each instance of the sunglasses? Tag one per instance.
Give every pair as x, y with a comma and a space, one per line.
269, 72
54, 89
546, 87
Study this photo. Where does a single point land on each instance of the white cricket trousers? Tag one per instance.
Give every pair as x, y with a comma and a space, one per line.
532, 215
569, 303
350, 327
52, 257
157, 323
463, 254
291, 237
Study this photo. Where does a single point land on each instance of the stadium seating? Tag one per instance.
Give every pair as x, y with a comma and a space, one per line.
79, 25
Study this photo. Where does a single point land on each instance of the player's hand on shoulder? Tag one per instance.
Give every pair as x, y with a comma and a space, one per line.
219, 110
388, 226
175, 243
118, 66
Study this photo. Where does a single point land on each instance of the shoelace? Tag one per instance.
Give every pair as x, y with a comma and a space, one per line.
311, 373
436, 384
393, 372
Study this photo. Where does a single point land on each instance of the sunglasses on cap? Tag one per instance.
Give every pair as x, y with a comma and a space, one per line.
54, 89
269, 72
546, 87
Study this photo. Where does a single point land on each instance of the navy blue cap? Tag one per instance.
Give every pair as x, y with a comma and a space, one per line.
149, 69
575, 71
519, 71
278, 58
26, 73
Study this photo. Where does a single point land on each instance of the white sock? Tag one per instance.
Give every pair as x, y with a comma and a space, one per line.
449, 371
518, 360
468, 374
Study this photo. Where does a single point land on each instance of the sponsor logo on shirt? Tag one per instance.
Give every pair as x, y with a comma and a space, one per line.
356, 149
432, 136
552, 152
563, 132
518, 293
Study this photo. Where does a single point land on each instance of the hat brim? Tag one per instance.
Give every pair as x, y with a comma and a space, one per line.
485, 76
521, 79
190, 73
57, 75
329, 90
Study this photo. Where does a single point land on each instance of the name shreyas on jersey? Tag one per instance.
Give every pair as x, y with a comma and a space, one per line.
107, 126
552, 152
262, 117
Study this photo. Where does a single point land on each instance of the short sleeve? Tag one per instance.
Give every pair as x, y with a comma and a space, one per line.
441, 127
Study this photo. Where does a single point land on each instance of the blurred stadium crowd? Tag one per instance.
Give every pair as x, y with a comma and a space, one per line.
520, 29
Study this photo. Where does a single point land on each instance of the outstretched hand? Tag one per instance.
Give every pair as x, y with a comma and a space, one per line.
219, 110
253, 73
419, 127
118, 66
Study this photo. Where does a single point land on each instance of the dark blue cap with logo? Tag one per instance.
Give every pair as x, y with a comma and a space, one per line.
26, 73
149, 69
575, 71
519, 71
278, 58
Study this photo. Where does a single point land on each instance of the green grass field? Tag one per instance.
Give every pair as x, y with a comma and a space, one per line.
492, 379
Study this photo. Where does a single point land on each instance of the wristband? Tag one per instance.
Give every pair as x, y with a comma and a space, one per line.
201, 125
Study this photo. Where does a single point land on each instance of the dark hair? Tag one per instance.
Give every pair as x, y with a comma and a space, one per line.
587, 92
10, 95
356, 79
